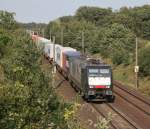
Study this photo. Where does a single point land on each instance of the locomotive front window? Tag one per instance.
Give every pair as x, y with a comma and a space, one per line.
99, 72
104, 71
92, 71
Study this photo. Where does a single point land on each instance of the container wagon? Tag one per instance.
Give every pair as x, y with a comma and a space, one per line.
48, 50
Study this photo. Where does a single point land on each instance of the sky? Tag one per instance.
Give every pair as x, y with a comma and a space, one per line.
47, 10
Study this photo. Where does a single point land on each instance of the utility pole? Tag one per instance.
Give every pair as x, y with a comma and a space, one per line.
50, 34
83, 47
136, 68
39, 31
54, 68
43, 32
62, 34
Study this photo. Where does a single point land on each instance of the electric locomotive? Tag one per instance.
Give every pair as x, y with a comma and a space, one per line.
92, 78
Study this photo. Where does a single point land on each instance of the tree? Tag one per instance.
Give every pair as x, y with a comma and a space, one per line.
5, 40
7, 20
141, 18
144, 61
93, 14
117, 42
27, 99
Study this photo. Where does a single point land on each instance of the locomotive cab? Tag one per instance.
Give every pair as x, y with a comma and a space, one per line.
97, 82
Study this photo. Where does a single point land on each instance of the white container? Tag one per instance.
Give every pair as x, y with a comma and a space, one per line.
42, 42
51, 47
58, 54
49, 50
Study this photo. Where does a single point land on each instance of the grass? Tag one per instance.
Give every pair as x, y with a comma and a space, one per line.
126, 75
2, 77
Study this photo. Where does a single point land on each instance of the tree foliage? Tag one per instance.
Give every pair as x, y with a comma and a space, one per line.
93, 14
118, 41
7, 20
27, 99
144, 61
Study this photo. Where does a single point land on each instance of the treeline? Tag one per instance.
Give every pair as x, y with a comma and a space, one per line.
36, 27
27, 99
110, 33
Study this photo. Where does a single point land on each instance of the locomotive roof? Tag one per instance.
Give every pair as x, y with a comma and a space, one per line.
72, 53
90, 61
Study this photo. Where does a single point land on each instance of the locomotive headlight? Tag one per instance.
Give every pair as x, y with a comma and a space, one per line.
108, 92
107, 86
91, 86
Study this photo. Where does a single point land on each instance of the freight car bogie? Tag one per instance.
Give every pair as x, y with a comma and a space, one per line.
91, 97
58, 69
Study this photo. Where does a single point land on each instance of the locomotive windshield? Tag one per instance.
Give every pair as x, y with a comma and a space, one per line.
105, 71
93, 71
97, 72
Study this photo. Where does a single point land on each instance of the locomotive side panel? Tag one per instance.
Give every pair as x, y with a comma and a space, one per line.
75, 72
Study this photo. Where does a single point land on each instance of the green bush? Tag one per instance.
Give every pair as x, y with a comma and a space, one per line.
120, 57
144, 61
27, 99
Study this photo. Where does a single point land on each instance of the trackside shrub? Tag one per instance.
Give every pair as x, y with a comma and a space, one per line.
144, 61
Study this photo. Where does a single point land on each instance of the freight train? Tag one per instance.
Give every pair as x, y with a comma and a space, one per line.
92, 78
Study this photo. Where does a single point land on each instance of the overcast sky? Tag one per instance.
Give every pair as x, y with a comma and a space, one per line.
47, 10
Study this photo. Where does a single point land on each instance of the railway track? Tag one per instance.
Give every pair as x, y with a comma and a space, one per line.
129, 123
125, 117
133, 93
133, 104
104, 115
133, 98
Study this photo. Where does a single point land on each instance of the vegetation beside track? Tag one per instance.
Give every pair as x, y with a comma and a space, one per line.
27, 99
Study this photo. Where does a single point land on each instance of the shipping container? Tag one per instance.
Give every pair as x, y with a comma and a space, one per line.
49, 47
69, 55
58, 54
41, 43
34, 38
